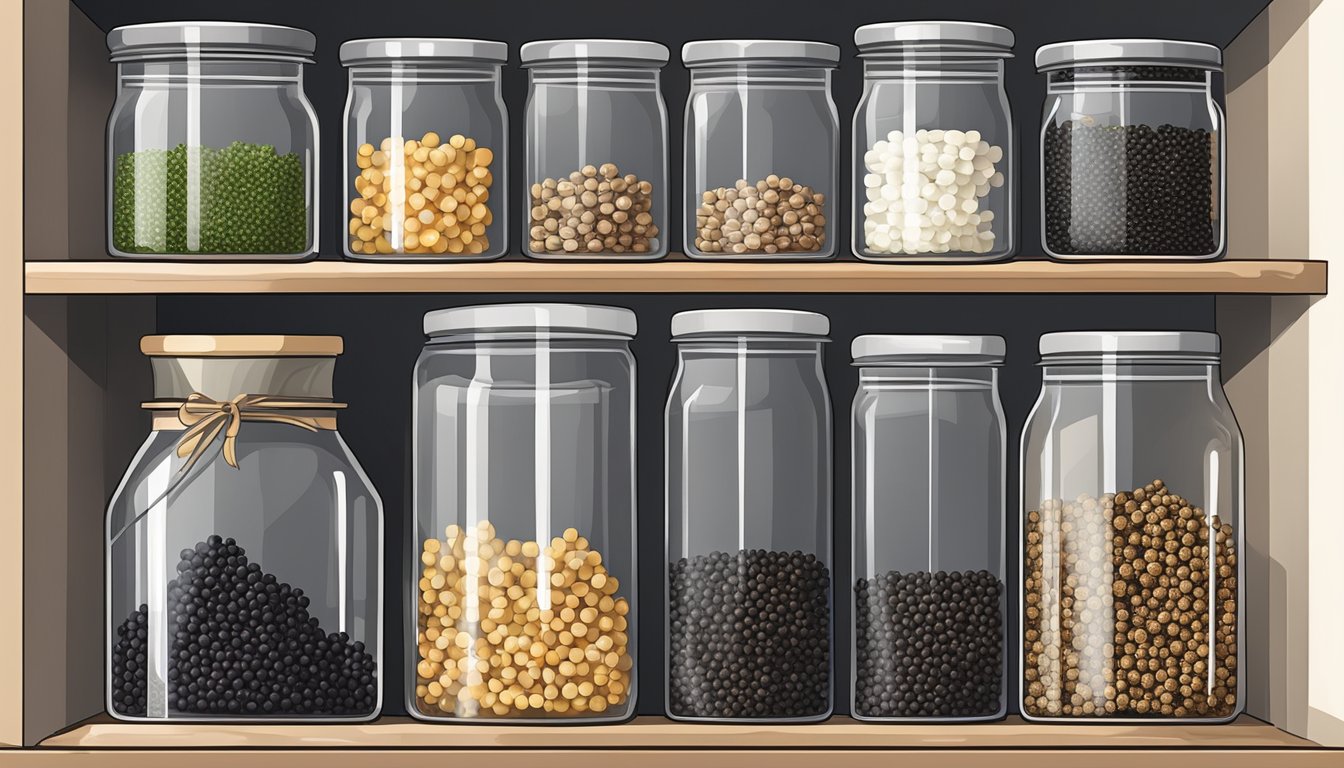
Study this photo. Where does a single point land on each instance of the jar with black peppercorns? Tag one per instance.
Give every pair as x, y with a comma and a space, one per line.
929, 448
244, 543
1132, 532
1132, 150
748, 455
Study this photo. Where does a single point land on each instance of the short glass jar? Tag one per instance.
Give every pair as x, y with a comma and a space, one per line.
426, 140
761, 150
522, 564
244, 543
929, 488
596, 168
749, 518
211, 144
1132, 532
1132, 150
933, 143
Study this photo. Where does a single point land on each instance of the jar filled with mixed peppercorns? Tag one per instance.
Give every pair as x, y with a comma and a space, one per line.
212, 143
1132, 150
1132, 532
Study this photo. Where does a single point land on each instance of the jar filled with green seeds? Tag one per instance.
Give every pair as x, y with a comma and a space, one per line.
211, 143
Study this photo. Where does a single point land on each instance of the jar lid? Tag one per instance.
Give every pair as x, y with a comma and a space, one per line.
181, 345
383, 49
750, 322
924, 349
960, 34
174, 38
1173, 53
559, 319
1140, 343
547, 51
699, 53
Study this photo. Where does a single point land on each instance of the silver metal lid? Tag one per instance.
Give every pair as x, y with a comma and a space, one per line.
699, 53
543, 51
1172, 53
750, 322
559, 319
382, 49
1141, 343
207, 38
967, 34
924, 349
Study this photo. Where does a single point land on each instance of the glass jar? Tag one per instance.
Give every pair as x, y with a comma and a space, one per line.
933, 143
523, 548
761, 146
438, 102
1132, 150
244, 543
212, 144
748, 457
929, 490
1132, 532
596, 150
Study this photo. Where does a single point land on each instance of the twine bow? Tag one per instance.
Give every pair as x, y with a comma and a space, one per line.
206, 419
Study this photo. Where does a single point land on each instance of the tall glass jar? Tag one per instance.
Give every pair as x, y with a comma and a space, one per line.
1132, 598
933, 143
761, 147
523, 548
929, 490
596, 150
749, 518
244, 543
426, 138
212, 144
1132, 150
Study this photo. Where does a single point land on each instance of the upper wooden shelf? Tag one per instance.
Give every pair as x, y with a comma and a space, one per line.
676, 276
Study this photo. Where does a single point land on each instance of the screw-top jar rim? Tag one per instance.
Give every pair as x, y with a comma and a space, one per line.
241, 345
793, 53
702, 324
380, 50
635, 52
1128, 51
1085, 347
965, 37
531, 320
925, 350
210, 39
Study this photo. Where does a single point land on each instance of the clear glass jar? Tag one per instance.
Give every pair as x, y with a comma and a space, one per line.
929, 488
1132, 532
761, 150
749, 518
438, 102
212, 144
596, 150
933, 143
524, 430
1132, 150
244, 543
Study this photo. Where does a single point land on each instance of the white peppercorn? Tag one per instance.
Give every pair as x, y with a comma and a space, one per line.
773, 215
594, 209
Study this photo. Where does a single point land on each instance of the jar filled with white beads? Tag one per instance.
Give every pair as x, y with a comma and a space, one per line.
933, 143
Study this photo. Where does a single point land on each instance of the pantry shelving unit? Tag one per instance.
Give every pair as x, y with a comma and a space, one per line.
71, 378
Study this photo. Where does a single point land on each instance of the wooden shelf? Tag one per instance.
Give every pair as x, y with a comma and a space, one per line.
676, 276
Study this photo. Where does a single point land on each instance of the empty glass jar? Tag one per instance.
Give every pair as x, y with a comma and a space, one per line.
761, 146
1132, 597
522, 567
426, 139
930, 448
212, 144
244, 543
749, 518
596, 168
1132, 150
933, 143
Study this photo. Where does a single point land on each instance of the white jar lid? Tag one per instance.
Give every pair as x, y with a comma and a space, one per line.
176, 38
968, 34
699, 53
643, 51
750, 322
1142, 343
382, 49
558, 319
928, 349
1171, 53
